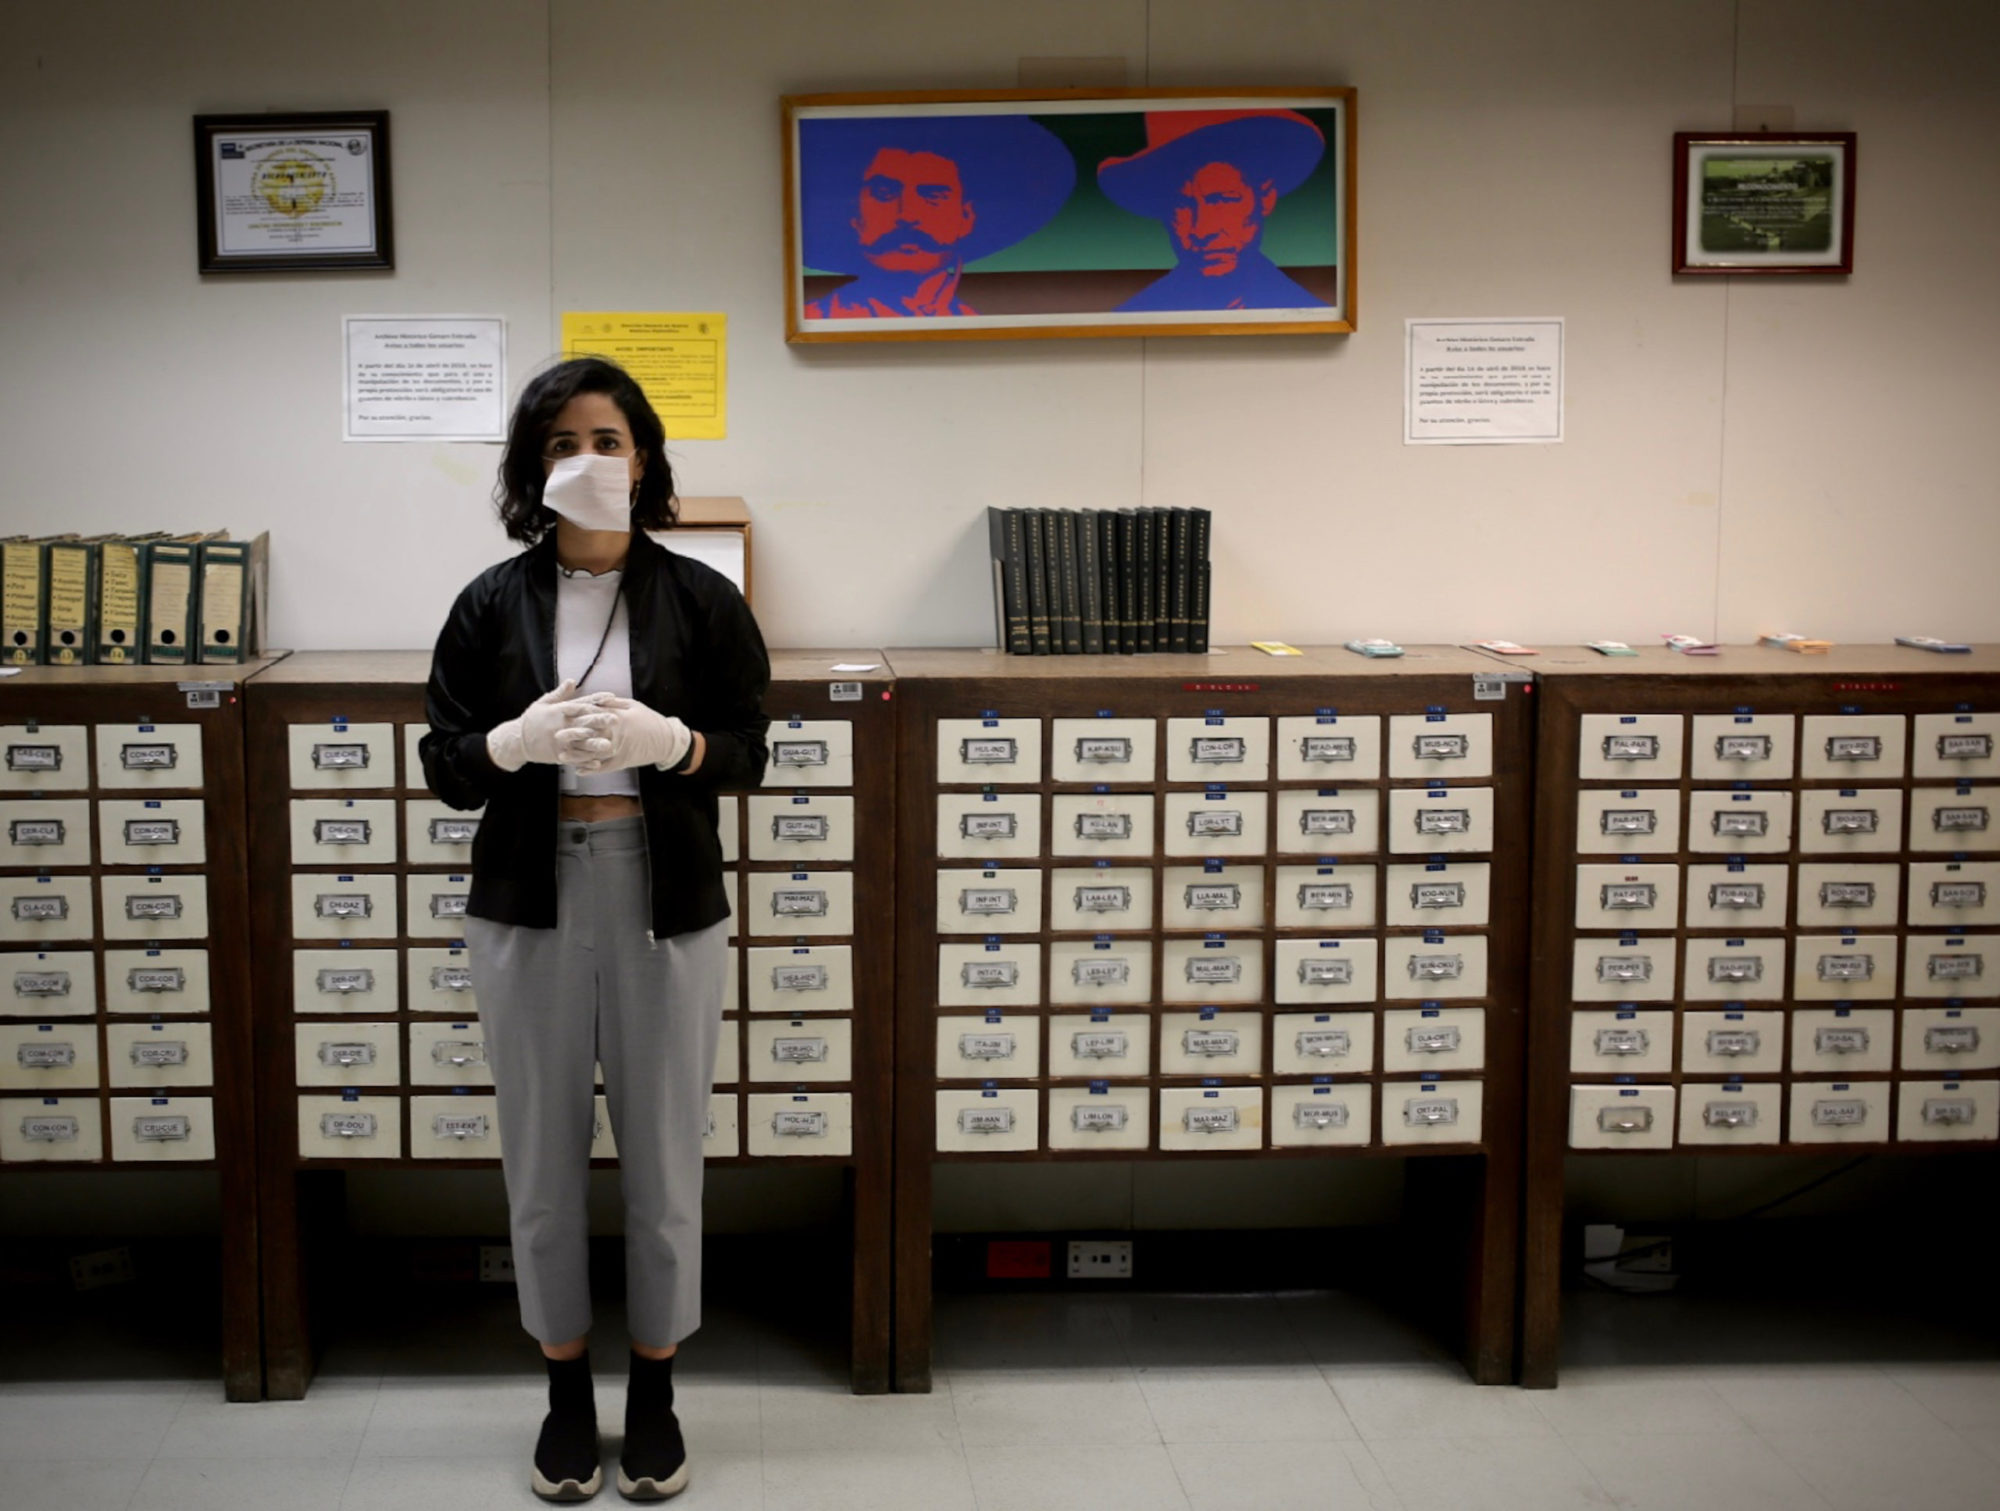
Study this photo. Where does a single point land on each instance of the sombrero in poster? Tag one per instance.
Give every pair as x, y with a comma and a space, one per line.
1014, 174
1276, 147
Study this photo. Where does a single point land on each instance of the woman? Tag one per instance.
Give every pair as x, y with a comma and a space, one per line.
594, 692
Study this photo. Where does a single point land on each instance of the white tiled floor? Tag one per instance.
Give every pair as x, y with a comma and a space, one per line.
1045, 1403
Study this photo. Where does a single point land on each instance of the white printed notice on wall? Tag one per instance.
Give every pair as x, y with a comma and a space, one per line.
1482, 382
425, 378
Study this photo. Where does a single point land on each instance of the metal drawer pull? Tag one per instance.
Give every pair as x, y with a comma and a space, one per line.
1324, 1044
163, 1129
1628, 821
458, 1054
1209, 1120
1623, 1041
34, 758
141, 909
1951, 1039
56, 1056
345, 981
1847, 894
1430, 1112
453, 831
1956, 967
160, 1054
1326, 821
328, 757
1854, 748
36, 831
1214, 970
1624, 1120
1217, 750
804, 1051
1840, 1041
1432, 1041
1958, 894
799, 978
1947, 1112
449, 904
45, 1129
1612, 968
1110, 1119
986, 1046
1104, 826
1965, 747
1211, 1043
1846, 968
984, 902
1103, 899
451, 978
1109, 1045
807, 1124
460, 1125
1326, 750
1100, 972
347, 1125
988, 825
1740, 968
1326, 972
799, 902
994, 750
1730, 1115
1434, 895
1734, 1043
985, 1120
149, 757
1629, 897
1751, 825
1960, 820
52, 909
1737, 896
1443, 747
1631, 747
801, 828
1325, 897
156, 978
1743, 748
1319, 1114
1104, 750
344, 1056
987, 974
799, 753
344, 905
1846, 1112
41, 983
1444, 821
1437, 967
1225, 897
152, 831
1215, 823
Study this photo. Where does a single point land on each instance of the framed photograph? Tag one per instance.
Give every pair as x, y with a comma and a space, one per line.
1015, 213
1764, 202
293, 192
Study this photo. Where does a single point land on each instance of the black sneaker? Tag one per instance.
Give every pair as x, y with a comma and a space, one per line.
567, 1466
653, 1463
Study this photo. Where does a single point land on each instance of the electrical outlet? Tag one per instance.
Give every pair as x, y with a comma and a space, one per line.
105, 1267
496, 1263
1093, 1259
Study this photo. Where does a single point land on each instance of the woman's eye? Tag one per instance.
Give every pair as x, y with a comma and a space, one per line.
610, 443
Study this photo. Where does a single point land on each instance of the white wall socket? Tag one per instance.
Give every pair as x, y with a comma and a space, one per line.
1092, 1259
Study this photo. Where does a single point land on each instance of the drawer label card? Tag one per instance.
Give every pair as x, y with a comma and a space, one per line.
802, 828
51, 1130
1839, 1112
1956, 967
1851, 821
1111, 1044
1958, 894
798, 753
1623, 1041
1737, 896
1628, 821
1847, 894
799, 978
1433, 1041
1104, 750
142, 908
346, 1125
1960, 820
1326, 821
1950, 1111
805, 1051
1103, 899
34, 757
789, 1123
156, 978
1444, 821
1437, 894
449, 904
41, 983
1104, 826
454, 831
1739, 968
1110, 1118
1215, 822
344, 905
1221, 897
458, 1054
41, 909
1326, 897
984, 901
985, 974
1217, 750
1437, 967
1949, 748
986, 1046
1114, 972
986, 1120
1735, 1114
172, 1128
1631, 747
1326, 749
152, 831
994, 750
160, 1053
1624, 1119
1624, 968
1209, 1120
1430, 1112
451, 978
1854, 748
344, 981
344, 1055
149, 757
36, 831
1734, 1043
57, 1056
1743, 748
988, 825
460, 1125
1326, 972
798, 902
1442, 747
1628, 897
1212, 1043
1213, 970
1847, 967
330, 757
1324, 1043
1751, 824
1951, 1039
1840, 1041
1319, 1114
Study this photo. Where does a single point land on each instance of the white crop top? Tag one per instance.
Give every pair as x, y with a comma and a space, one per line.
582, 602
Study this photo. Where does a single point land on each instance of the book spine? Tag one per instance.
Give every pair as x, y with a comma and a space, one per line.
1004, 540
1128, 586
1198, 612
1182, 530
1107, 567
1052, 577
1071, 587
1090, 585
1037, 575
1144, 616
1163, 585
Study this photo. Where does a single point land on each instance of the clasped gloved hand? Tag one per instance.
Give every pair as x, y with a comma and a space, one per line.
634, 734
550, 730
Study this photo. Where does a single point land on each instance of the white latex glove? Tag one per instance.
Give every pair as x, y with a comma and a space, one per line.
547, 731
637, 736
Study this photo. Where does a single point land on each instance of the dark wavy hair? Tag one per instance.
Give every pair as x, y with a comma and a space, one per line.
518, 493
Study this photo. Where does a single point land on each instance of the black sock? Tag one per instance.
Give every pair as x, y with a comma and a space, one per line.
653, 1446
567, 1448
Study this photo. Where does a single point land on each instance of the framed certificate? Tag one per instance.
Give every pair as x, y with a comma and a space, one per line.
293, 192
1764, 202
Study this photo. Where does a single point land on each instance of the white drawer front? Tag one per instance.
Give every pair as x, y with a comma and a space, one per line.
1743, 747
989, 825
1219, 750
799, 979
1844, 967
1739, 823
603, 1137
1839, 1112
1438, 894
1628, 821
1447, 966
1719, 1114
1111, 1117
43, 834
1103, 750
1440, 820
1329, 749
1742, 896
1233, 822
1212, 970
1314, 1116
343, 905
1101, 824
152, 832
1954, 893
1865, 747
170, 982
362, 1127
347, 1053
155, 907
728, 1057
413, 761
798, 902
1639, 898
1733, 1043
1100, 899
49, 984
435, 903
1850, 821
1621, 1117
1835, 1041
1433, 1112
1211, 1044
1447, 1040
1955, 746
989, 902
158, 1054
1095, 972
996, 975
1621, 1042
46, 909
1951, 965
35, 1130
440, 981
1940, 1112
1441, 747
1102, 1046
726, 824
799, 1050
51, 758
48, 1057
434, 835
995, 751
1326, 970
803, 827
810, 753
1329, 821
723, 1137
1954, 818
1850, 894
449, 1054
996, 1047
1227, 897
141, 756
1337, 896
342, 757
1322, 1044
1749, 968
1202, 1118
1631, 747
162, 1128
1000, 1121
1951, 1039
454, 1127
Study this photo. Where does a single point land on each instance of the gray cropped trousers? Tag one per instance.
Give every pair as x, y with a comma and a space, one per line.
595, 990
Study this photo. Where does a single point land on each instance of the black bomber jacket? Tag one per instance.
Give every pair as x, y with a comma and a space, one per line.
696, 654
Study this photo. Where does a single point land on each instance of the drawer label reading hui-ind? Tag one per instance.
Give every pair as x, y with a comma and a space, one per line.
798, 978
1958, 894
802, 828
1737, 896
149, 757
1222, 897
458, 1054
1951, 1039
1847, 894
451, 978
1965, 747
1955, 967
987, 901
1628, 821
1624, 1119
1115, 972
986, 1046
1107, 1044
1437, 895
1326, 821
1739, 968
1752, 824
1327, 1113
1839, 1112
1324, 1043
41, 909
803, 1051
994, 750
160, 1053
449, 904
345, 981
1430, 1112
1442, 747
460, 1125
1326, 897
1215, 823
1104, 750
41, 983
1743, 748
344, 905
34, 758
1215, 970
454, 831
1624, 968
152, 831
977, 1120
986, 974
1110, 1118
1104, 826
1851, 821
36, 831
988, 825
51, 1130
1847, 967
799, 753
1631, 747
1437, 967
1628, 897
1736, 1114
1854, 748
1950, 1111
1960, 820
57, 1056
1314, 972
807, 1123
332, 757
1444, 821
140, 909
342, 831
1211, 1043
1734, 1043
1217, 750
344, 1055
172, 1128
1840, 1041
1623, 1041
347, 1125
1433, 1041
799, 902
156, 978
1209, 1120
1326, 750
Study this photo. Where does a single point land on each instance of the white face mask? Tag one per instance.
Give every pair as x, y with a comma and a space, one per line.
592, 491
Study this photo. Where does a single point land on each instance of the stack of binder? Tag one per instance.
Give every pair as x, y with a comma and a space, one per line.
1100, 582
131, 600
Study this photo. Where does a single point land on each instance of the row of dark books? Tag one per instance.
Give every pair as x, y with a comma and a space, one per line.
131, 600
1100, 582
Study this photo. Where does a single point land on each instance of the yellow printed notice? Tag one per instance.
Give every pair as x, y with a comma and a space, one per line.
680, 360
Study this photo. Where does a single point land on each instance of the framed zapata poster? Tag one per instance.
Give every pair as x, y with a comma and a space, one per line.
1010, 213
